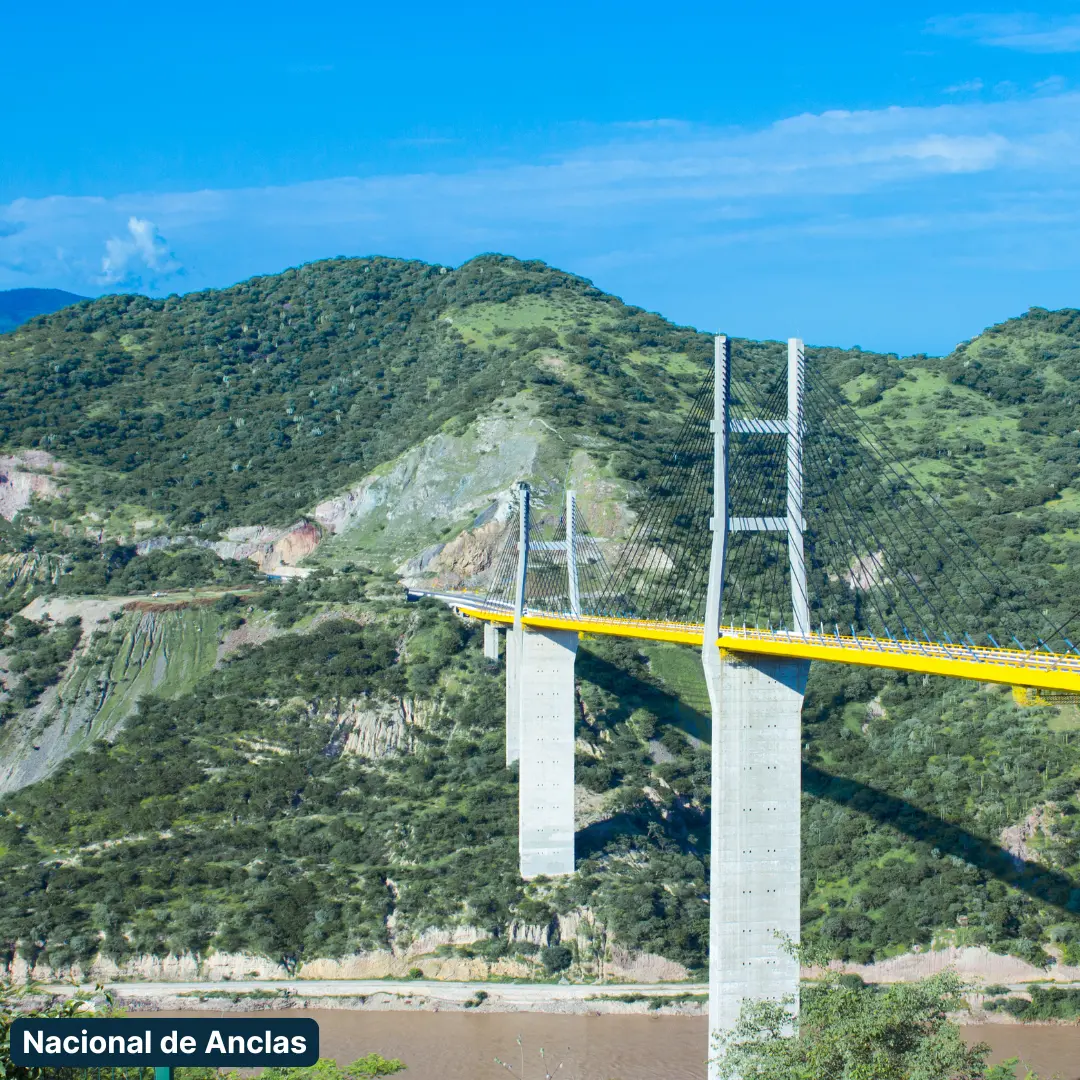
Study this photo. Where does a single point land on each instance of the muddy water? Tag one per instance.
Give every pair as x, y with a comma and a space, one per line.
463, 1046
1051, 1050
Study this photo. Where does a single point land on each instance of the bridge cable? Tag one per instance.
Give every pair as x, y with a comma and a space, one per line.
872, 446
950, 568
662, 598
870, 519
900, 527
846, 519
852, 519
758, 458
636, 552
682, 482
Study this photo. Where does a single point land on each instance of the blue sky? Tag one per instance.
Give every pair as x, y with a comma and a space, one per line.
893, 176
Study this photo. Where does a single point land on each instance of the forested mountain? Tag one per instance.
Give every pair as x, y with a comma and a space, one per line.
311, 768
19, 305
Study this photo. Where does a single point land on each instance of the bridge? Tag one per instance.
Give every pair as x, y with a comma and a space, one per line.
781, 533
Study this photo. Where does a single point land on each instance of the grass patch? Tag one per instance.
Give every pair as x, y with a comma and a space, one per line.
679, 669
654, 1001
234, 995
1067, 719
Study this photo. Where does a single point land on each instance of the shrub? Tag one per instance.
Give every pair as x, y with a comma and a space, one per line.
556, 958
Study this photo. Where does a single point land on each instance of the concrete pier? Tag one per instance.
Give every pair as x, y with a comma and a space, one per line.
546, 788
491, 641
513, 695
755, 865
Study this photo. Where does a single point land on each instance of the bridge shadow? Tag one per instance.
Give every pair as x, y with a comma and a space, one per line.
1032, 878
1035, 880
632, 693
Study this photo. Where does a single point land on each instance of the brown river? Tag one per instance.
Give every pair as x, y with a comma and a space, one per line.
463, 1046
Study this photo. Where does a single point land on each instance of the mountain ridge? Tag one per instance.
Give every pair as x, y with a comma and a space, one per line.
451, 385
18, 306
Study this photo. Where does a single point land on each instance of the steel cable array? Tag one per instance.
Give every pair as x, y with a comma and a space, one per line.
884, 557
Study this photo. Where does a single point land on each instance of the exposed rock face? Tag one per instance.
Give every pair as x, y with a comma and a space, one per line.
299, 542
644, 967
969, 962
1016, 839
373, 729
270, 549
92, 610
148, 651
466, 560
26, 569
403, 953
472, 552
435, 485
214, 968
274, 551
867, 572
24, 475
431, 491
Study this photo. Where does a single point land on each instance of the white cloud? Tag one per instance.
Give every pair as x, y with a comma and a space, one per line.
633, 189
1055, 84
1024, 32
142, 258
970, 87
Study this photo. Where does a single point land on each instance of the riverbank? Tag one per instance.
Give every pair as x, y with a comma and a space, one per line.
435, 996
409, 995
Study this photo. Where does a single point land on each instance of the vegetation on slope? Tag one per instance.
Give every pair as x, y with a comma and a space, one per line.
909, 783
247, 405
86, 567
228, 818
35, 656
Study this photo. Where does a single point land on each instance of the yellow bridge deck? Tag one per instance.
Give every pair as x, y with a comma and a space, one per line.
1014, 667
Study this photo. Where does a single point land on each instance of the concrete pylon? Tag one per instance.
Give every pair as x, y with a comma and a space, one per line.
514, 635
754, 867
800, 605
546, 784
540, 720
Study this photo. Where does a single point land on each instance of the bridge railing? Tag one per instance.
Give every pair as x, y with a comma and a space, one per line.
1031, 658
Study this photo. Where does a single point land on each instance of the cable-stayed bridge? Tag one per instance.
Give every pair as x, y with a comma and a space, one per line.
780, 533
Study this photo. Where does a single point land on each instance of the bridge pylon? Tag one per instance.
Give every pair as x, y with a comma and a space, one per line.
540, 712
756, 705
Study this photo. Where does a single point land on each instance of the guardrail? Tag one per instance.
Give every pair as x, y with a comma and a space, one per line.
1036, 668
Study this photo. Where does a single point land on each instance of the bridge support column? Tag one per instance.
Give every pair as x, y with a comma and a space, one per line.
491, 641
546, 786
513, 695
754, 873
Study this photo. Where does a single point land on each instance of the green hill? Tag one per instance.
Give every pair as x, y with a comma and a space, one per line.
334, 783
249, 405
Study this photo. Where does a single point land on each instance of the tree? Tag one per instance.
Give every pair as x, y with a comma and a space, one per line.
849, 1031
16, 1002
